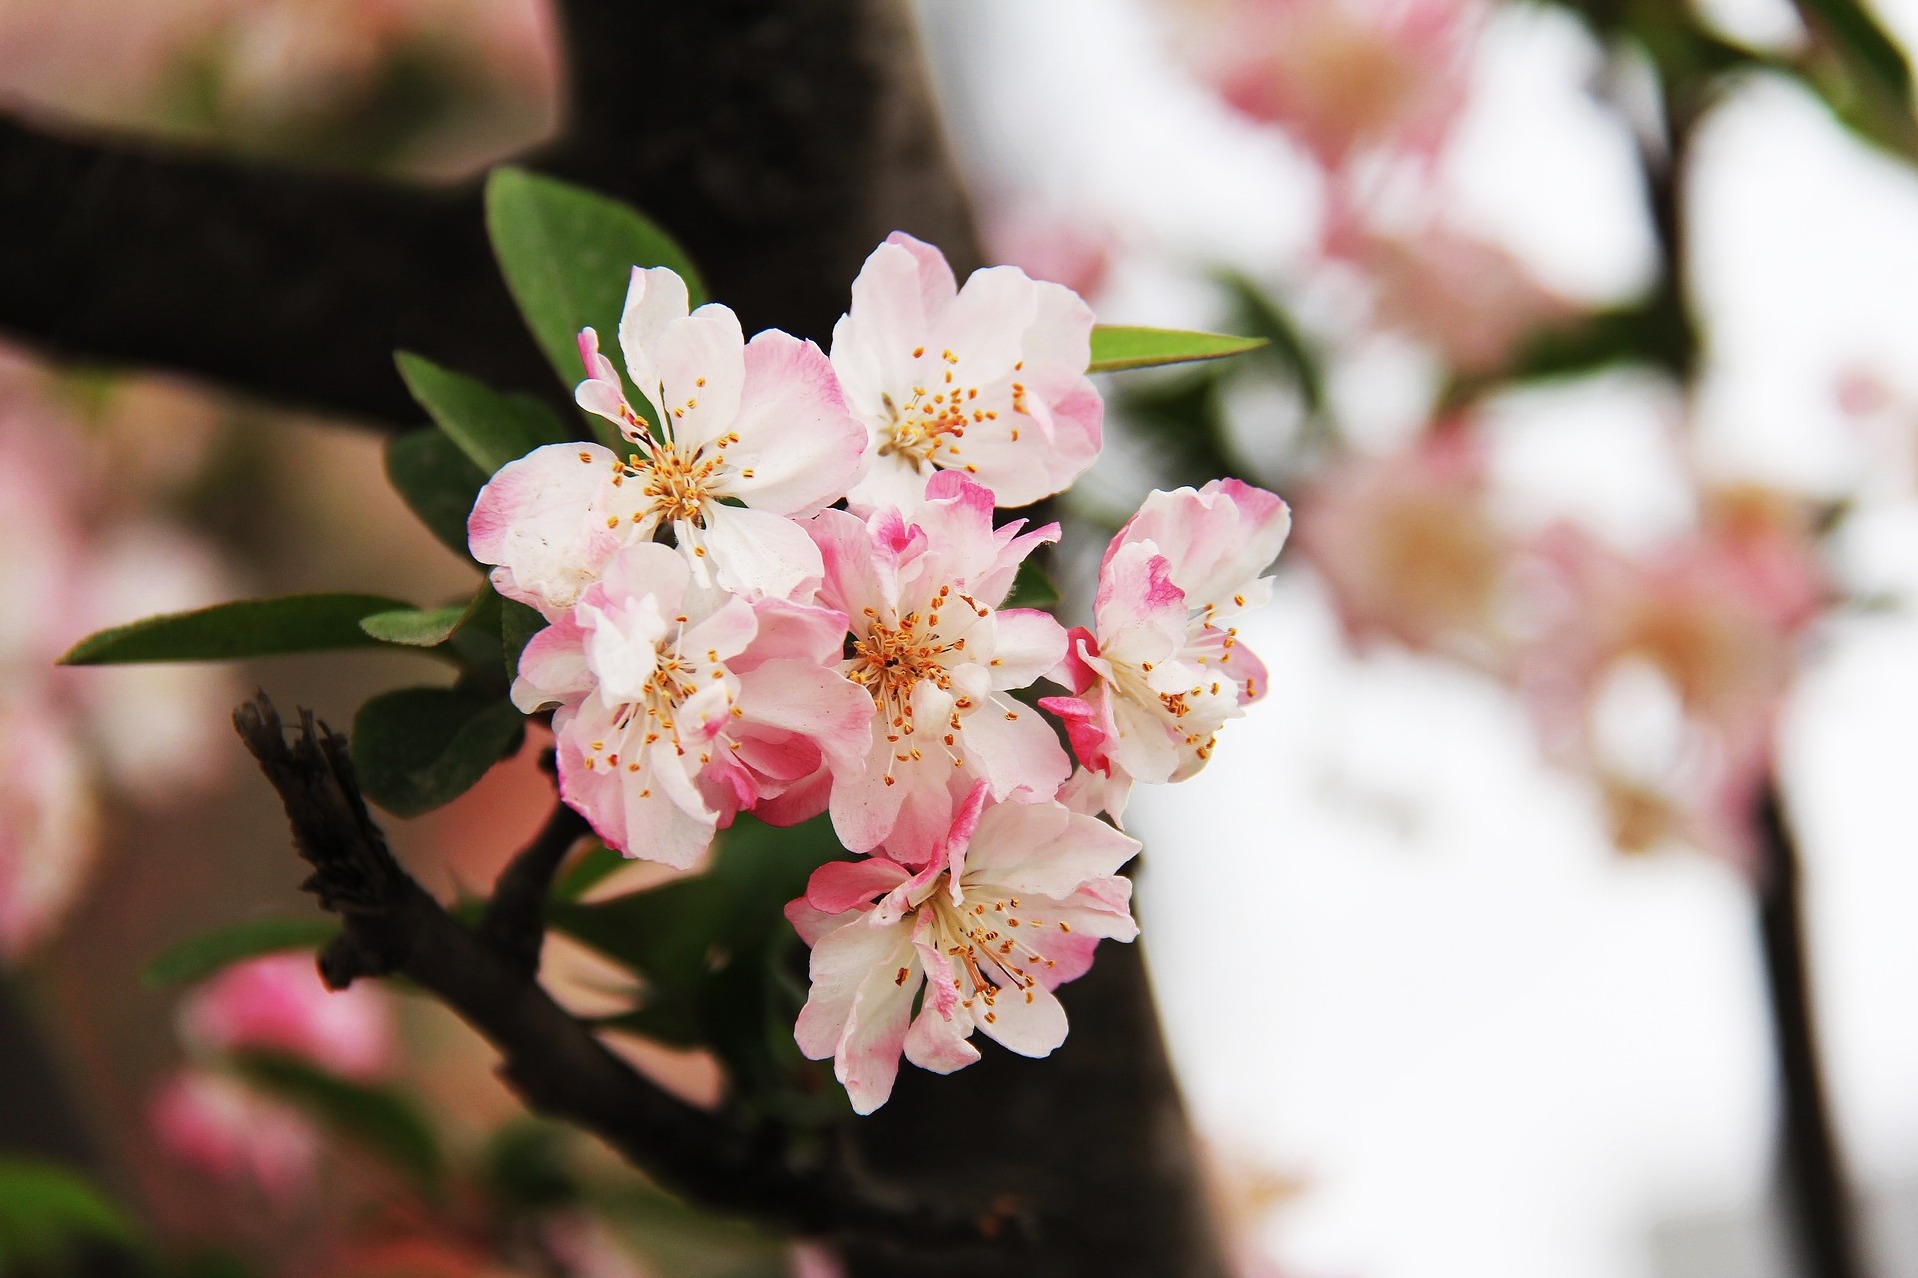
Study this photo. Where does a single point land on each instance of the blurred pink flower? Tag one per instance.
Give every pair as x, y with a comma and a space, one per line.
1341, 76
1407, 548
1469, 299
48, 823
77, 562
225, 1130
1053, 246
279, 1004
1661, 676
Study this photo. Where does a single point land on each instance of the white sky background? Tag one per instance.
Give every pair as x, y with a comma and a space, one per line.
1394, 953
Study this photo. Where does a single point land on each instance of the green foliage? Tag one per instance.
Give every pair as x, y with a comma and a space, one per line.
416, 627
201, 956
237, 631
490, 428
587, 871
47, 1212
437, 481
518, 623
1116, 347
384, 1121
1267, 317
1032, 588
418, 748
567, 254
713, 950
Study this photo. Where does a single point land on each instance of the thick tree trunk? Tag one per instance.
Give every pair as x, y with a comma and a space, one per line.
1088, 1152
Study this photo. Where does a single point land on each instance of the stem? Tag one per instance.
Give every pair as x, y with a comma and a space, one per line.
1814, 1180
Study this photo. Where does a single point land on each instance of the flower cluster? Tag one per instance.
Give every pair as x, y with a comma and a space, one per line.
788, 595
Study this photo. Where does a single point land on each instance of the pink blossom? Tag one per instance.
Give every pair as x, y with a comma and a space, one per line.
1343, 76
1704, 629
761, 423
279, 1004
989, 380
48, 824
1157, 678
680, 705
1010, 907
1471, 300
1407, 548
937, 656
221, 1127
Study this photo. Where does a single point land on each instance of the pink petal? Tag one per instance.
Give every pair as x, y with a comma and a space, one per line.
796, 435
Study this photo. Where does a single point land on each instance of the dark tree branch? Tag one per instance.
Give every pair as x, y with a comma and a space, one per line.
780, 142
1813, 1170
515, 920
391, 924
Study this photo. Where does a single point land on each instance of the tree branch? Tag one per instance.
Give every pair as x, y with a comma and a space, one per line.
515, 920
1813, 1171
779, 143
391, 924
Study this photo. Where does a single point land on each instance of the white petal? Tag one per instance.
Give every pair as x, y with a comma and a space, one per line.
796, 436
756, 554
1029, 1022
702, 364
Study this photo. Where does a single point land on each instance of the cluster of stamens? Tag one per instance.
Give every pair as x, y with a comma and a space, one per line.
891, 659
674, 679
933, 419
989, 929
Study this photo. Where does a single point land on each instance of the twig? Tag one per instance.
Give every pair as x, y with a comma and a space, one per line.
391, 924
515, 918
1813, 1172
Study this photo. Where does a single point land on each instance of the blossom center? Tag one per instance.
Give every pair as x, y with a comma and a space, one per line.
678, 484
932, 419
652, 713
990, 928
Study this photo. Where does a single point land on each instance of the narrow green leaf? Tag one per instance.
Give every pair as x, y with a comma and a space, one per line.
517, 626
587, 871
491, 428
237, 631
1117, 347
201, 956
419, 748
1864, 41
1032, 588
416, 627
567, 254
379, 1118
47, 1210
672, 933
438, 482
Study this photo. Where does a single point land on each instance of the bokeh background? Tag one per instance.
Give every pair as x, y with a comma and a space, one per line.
1456, 941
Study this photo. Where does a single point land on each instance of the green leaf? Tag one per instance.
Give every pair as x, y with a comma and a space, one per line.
418, 748
438, 482
518, 623
567, 254
587, 871
490, 428
1865, 43
1032, 588
709, 946
201, 956
47, 1210
416, 627
381, 1119
1116, 347
1268, 318
237, 631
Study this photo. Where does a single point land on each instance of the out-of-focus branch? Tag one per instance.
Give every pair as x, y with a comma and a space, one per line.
515, 918
1813, 1171
391, 924
780, 142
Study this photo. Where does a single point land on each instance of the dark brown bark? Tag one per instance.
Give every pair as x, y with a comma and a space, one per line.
780, 143
1812, 1170
1089, 1149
